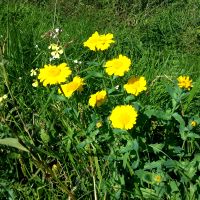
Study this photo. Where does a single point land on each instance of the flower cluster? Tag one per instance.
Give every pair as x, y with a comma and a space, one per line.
56, 51
99, 42
34, 73
122, 116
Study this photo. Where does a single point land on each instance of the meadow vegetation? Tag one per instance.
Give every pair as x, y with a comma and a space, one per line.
100, 99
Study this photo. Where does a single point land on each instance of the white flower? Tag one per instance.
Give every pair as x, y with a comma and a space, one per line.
57, 30
77, 62
34, 72
5, 96
117, 87
35, 83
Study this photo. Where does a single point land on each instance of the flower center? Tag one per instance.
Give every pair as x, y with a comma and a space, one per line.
54, 72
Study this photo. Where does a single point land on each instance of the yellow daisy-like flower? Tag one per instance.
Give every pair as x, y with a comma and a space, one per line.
184, 82
157, 178
118, 66
52, 74
98, 98
135, 85
75, 85
123, 117
193, 123
99, 42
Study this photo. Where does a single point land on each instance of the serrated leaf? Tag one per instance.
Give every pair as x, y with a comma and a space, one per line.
129, 98
13, 142
153, 165
179, 119
157, 147
158, 113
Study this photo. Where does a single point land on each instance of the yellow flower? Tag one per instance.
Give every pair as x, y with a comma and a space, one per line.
193, 123
99, 42
118, 66
52, 74
99, 124
157, 178
135, 85
69, 88
35, 83
184, 82
97, 99
123, 117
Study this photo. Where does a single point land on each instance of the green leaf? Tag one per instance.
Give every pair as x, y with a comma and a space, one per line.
153, 165
129, 98
94, 74
157, 147
158, 113
179, 119
193, 92
13, 142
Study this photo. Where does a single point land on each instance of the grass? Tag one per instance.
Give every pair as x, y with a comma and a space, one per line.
68, 156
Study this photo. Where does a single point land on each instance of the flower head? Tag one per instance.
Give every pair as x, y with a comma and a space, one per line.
75, 85
97, 99
5, 96
135, 85
184, 82
99, 42
52, 74
157, 178
34, 72
56, 50
118, 66
193, 123
35, 83
53, 47
99, 124
123, 117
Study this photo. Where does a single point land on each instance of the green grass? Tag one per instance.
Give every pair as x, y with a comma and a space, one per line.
67, 155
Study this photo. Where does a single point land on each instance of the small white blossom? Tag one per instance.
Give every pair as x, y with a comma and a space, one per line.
117, 87
57, 30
